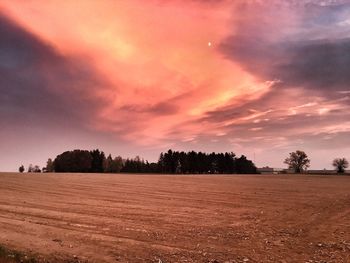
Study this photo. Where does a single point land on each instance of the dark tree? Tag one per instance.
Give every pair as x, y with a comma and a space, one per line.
183, 163
340, 164
192, 162
117, 164
30, 169
245, 166
98, 159
138, 165
298, 161
169, 162
77, 161
161, 163
199, 163
153, 168
113, 165
49, 166
108, 164
21, 169
34, 169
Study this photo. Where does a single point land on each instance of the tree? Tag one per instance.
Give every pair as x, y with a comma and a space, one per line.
199, 163
108, 164
117, 164
30, 168
340, 164
77, 161
21, 169
298, 161
36, 169
113, 165
49, 166
82, 161
245, 166
98, 160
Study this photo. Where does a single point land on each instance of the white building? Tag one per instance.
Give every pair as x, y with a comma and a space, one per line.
269, 170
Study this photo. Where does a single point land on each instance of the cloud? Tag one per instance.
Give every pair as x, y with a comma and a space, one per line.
305, 45
40, 86
142, 73
159, 109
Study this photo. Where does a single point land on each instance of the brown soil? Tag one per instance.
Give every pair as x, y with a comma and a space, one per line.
182, 218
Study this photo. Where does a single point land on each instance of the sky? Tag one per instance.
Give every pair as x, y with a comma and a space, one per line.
259, 78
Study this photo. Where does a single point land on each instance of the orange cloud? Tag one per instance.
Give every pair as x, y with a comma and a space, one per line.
207, 75
152, 52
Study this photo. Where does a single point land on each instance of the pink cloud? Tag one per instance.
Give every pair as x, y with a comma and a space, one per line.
144, 73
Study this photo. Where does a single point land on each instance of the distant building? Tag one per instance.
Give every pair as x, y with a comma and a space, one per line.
269, 170
324, 171
287, 171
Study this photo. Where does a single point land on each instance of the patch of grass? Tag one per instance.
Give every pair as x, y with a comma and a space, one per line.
13, 256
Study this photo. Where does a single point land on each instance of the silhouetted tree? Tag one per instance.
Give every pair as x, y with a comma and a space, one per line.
152, 168
98, 159
298, 161
49, 166
21, 169
340, 164
107, 165
113, 165
169, 162
117, 164
77, 161
161, 163
30, 168
138, 165
36, 169
183, 162
199, 162
192, 162
245, 166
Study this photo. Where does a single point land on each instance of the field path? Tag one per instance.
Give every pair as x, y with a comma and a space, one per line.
182, 218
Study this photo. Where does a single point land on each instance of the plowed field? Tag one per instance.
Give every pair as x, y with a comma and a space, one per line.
176, 218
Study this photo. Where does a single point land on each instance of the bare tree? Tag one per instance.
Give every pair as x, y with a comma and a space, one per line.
340, 164
298, 161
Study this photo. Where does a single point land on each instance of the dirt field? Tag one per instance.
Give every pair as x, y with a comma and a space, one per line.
163, 218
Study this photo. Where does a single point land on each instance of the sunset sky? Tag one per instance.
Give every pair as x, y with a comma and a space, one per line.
136, 77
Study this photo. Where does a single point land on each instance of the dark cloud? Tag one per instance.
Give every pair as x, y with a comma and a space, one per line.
164, 109
267, 102
40, 86
312, 53
319, 65
305, 49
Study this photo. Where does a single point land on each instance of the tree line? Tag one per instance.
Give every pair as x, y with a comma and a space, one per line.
198, 162
172, 162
